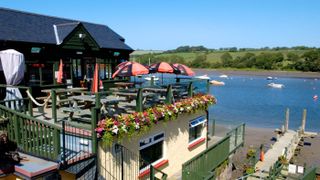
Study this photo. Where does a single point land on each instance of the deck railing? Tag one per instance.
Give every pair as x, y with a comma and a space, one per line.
203, 165
309, 174
32, 135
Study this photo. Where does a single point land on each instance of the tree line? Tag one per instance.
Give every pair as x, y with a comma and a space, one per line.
268, 60
234, 49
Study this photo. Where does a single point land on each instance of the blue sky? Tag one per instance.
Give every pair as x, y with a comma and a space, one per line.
167, 24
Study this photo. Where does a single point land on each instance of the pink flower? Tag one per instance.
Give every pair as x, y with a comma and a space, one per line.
99, 130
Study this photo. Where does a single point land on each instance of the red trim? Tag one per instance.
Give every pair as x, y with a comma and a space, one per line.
196, 143
158, 165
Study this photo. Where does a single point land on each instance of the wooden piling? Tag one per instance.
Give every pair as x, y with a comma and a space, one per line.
286, 123
303, 123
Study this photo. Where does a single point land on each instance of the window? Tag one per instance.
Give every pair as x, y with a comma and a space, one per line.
195, 128
151, 150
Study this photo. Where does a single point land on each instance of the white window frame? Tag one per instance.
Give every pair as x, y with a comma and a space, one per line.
151, 142
199, 121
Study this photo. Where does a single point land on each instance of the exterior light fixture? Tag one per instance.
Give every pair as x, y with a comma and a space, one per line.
82, 36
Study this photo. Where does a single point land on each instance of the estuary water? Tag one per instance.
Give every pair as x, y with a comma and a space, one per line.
248, 99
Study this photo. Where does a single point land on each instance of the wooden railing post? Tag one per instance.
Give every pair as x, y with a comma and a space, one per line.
63, 143
93, 128
208, 86
54, 105
30, 106
98, 98
152, 173
139, 105
190, 90
169, 95
16, 129
56, 143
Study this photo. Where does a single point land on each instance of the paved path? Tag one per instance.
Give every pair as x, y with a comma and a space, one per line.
277, 150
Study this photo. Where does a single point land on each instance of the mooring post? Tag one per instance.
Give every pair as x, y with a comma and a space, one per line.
286, 123
303, 123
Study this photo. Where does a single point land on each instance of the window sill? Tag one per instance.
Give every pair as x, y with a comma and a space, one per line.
196, 143
156, 165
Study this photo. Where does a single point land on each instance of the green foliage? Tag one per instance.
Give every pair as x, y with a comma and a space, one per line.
226, 60
298, 58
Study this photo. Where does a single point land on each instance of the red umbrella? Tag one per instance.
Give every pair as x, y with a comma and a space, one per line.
60, 72
95, 82
184, 70
132, 69
163, 67
121, 65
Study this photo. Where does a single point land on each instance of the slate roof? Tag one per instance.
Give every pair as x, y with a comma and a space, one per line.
35, 28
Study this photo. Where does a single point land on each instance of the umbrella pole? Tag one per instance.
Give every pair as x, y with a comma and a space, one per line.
162, 78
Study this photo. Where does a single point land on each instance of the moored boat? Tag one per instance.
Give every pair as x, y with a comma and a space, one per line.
202, 77
217, 83
223, 76
274, 85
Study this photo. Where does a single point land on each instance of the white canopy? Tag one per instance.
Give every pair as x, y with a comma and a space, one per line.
12, 64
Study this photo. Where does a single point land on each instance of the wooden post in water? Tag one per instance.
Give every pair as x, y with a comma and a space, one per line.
286, 123
303, 123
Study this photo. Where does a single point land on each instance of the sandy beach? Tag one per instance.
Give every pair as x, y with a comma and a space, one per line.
294, 74
254, 137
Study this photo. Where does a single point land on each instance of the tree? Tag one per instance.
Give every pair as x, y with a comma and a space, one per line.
226, 59
292, 57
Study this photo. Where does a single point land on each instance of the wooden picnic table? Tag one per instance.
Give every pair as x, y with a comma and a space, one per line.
64, 90
60, 92
131, 95
125, 85
91, 99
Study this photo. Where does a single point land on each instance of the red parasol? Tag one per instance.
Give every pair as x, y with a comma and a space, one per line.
132, 69
163, 67
121, 65
60, 72
95, 82
184, 70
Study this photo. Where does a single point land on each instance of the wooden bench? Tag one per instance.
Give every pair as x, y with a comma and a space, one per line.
70, 110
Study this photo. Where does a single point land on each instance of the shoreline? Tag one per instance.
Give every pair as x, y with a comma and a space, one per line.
292, 74
255, 136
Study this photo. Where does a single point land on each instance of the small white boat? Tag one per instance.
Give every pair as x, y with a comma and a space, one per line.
223, 76
217, 83
274, 85
202, 77
149, 78
271, 78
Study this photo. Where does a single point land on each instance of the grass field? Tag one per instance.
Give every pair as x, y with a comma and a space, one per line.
214, 56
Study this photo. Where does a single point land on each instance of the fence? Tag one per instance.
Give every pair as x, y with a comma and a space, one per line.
310, 174
204, 164
33, 136
236, 137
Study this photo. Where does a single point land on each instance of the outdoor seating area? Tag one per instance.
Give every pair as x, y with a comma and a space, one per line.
74, 104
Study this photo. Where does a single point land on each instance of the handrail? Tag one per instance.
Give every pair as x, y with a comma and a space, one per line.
29, 117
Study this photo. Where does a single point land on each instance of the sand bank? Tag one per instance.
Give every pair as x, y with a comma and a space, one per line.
294, 74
